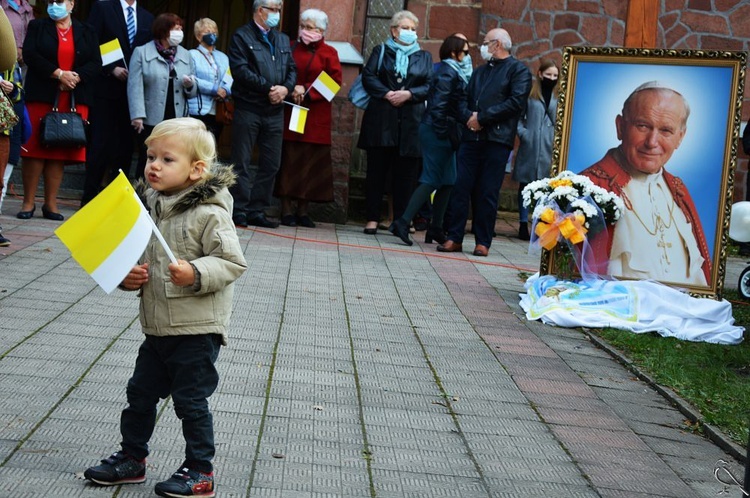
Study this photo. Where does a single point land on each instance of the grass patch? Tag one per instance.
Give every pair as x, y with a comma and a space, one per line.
715, 379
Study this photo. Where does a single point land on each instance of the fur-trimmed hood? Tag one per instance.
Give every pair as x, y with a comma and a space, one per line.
213, 189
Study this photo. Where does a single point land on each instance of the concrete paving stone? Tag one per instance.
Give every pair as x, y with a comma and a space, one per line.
676, 430
505, 488
663, 414
660, 484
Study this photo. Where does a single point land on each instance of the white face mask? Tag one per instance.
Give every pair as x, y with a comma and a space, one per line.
175, 37
484, 51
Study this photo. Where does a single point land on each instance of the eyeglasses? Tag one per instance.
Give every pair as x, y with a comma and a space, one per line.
50, 2
272, 9
310, 28
487, 42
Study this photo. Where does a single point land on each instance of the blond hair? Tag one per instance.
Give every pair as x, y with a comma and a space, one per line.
205, 24
198, 141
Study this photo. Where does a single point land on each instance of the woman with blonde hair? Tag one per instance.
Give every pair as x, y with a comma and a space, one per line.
211, 68
398, 89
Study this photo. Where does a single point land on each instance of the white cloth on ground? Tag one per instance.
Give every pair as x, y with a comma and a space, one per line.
635, 305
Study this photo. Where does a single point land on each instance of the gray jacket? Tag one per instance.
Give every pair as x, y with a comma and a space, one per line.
536, 131
197, 225
148, 81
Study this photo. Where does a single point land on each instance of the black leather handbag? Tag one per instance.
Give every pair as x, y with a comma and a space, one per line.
63, 129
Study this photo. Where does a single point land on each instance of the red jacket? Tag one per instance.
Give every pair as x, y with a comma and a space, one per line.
311, 60
608, 174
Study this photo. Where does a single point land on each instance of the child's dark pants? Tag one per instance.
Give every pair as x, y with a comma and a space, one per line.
183, 367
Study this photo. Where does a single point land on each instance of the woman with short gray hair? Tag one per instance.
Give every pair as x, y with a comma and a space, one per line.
306, 173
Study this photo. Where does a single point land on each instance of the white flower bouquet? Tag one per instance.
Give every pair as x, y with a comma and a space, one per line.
567, 207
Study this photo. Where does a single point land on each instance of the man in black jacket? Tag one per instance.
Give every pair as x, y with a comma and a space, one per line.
497, 97
260, 59
111, 143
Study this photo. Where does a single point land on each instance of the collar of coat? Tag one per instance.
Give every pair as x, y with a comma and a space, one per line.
220, 177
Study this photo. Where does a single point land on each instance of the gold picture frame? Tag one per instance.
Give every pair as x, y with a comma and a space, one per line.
595, 82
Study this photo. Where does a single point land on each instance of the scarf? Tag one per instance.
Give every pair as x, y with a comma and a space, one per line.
455, 65
167, 53
402, 55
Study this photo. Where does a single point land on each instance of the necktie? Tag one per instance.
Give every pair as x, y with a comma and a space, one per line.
131, 25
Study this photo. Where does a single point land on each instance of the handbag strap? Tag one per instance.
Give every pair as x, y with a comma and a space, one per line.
57, 102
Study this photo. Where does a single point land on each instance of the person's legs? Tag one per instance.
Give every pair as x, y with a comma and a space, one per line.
404, 177
245, 129
377, 169
270, 140
53, 175
30, 172
141, 141
149, 383
440, 204
460, 199
523, 215
489, 181
194, 379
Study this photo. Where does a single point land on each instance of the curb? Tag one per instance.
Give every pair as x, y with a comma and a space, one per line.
711, 432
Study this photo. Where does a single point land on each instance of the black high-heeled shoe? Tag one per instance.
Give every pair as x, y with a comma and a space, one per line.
50, 215
401, 230
26, 215
436, 234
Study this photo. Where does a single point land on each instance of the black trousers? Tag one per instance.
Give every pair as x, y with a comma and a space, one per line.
385, 164
254, 187
183, 367
110, 146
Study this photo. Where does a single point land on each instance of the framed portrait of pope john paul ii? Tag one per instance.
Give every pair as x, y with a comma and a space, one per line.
660, 129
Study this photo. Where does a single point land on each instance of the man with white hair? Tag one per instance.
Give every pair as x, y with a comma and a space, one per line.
497, 96
659, 235
264, 72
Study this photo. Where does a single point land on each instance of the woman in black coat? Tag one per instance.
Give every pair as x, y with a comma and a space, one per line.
62, 56
390, 126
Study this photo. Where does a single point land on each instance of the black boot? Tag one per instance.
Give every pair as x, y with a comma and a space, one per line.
400, 229
436, 234
523, 231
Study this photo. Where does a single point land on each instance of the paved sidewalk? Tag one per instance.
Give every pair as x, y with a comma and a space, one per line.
357, 367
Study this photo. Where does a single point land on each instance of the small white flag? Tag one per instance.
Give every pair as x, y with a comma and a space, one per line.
326, 86
111, 52
298, 118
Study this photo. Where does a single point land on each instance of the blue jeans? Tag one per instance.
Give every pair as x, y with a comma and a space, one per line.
480, 174
254, 187
183, 367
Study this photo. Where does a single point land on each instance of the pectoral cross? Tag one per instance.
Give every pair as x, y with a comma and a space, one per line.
665, 246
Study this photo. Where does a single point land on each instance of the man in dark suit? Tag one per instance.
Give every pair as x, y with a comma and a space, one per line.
111, 142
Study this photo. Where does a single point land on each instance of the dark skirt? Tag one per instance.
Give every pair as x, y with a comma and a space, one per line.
306, 172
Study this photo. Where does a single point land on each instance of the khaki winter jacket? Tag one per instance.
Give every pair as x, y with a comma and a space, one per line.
197, 225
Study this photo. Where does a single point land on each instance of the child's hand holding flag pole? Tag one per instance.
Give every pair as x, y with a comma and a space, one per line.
109, 234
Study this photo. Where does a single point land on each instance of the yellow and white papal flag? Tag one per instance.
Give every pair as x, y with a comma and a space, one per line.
111, 52
108, 235
326, 86
298, 118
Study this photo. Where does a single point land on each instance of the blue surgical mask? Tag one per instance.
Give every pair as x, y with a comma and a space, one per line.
57, 11
407, 36
273, 19
209, 39
466, 66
